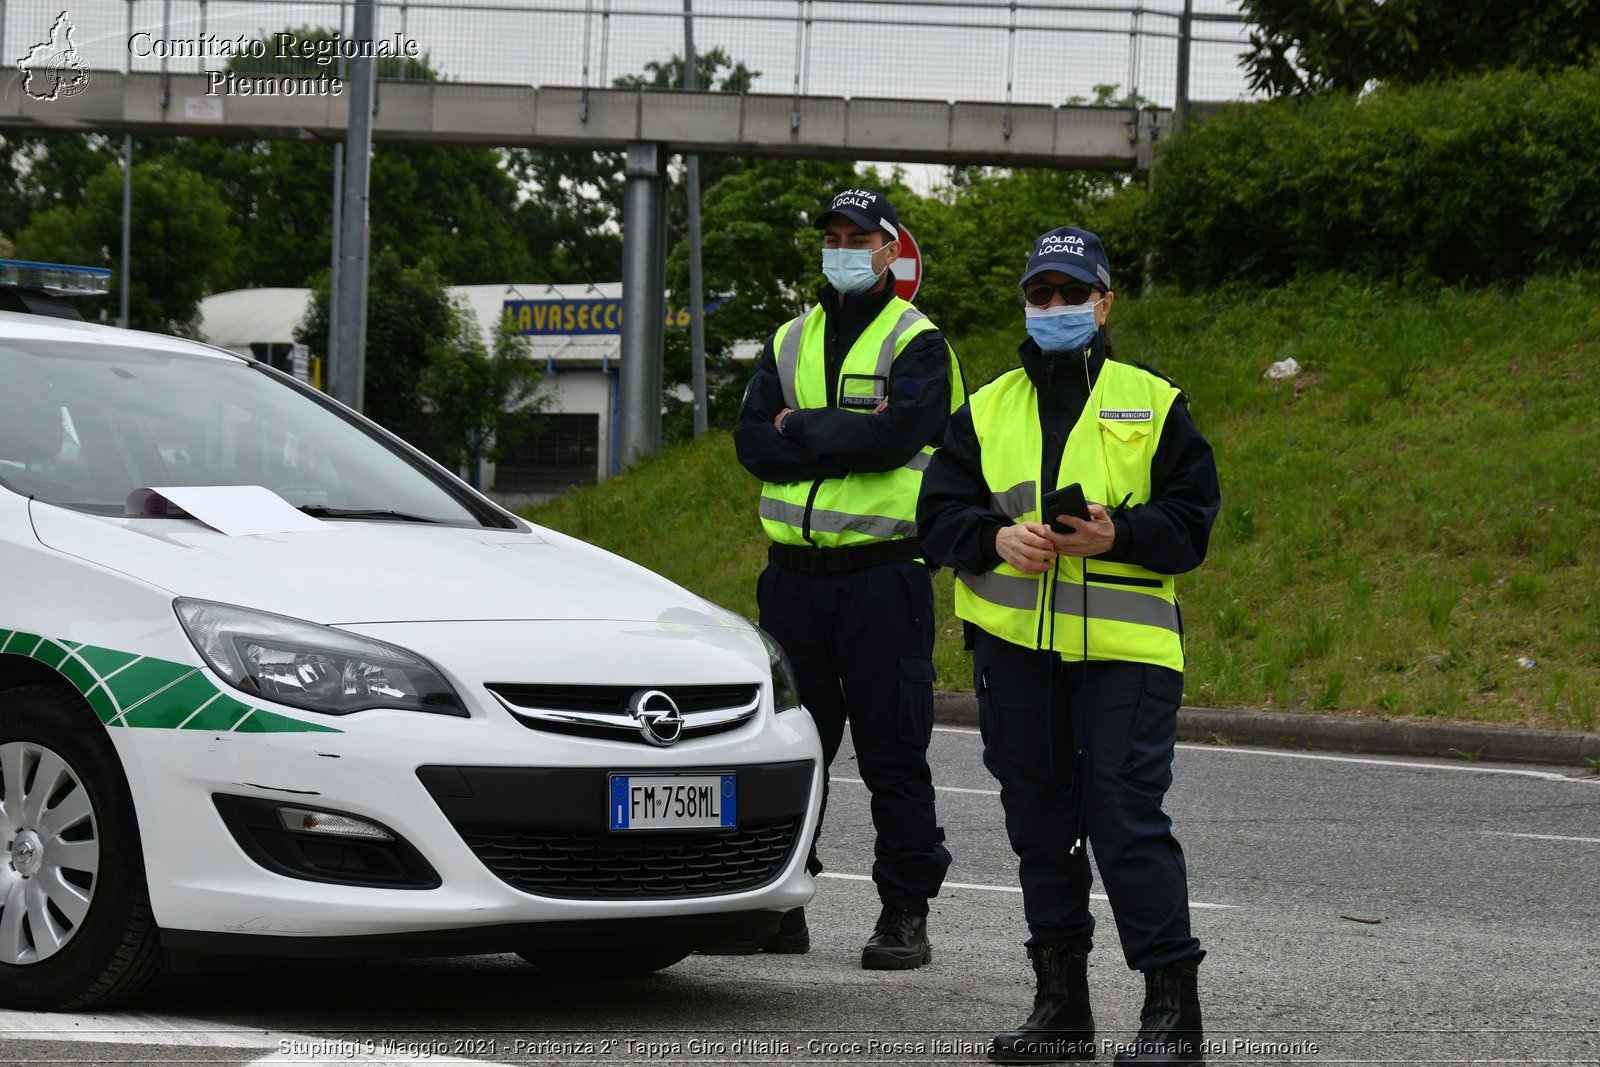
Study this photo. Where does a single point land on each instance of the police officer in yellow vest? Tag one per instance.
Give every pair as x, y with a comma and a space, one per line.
847, 405
1078, 643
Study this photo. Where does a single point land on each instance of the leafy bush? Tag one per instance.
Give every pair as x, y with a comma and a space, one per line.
1485, 179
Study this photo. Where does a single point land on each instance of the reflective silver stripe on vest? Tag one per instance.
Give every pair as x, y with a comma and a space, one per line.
1006, 590
788, 358
919, 462
836, 521
1112, 605
908, 318
1014, 502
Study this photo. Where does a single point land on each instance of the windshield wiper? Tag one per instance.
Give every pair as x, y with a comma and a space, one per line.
319, 511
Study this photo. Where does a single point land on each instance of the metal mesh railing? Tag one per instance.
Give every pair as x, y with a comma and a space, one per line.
1022, 51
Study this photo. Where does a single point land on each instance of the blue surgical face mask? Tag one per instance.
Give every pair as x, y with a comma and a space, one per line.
850, 269
1064, 330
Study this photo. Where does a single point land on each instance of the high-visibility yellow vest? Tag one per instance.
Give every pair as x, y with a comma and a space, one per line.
859, 508
1128, 613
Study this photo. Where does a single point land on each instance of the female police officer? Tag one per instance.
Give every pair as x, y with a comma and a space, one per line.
1078, 643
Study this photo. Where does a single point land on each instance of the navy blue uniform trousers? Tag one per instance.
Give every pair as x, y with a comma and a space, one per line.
1129, 714
861, 644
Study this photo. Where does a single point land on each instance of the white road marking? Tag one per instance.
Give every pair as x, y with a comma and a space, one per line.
1542, 837
140, 1028
1000, 888
937, 788
134, 1028
1546, 776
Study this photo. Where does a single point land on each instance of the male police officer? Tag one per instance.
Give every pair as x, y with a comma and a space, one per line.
847, 404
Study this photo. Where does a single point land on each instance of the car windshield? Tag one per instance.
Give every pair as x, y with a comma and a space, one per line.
84, 425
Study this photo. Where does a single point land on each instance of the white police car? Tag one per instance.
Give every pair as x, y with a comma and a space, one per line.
272, 682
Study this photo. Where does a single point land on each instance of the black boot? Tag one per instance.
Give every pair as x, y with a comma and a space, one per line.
1169, 1026
899, 942
1061, 1026
793, 938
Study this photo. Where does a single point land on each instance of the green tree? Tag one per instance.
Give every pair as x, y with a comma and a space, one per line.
571, 206
181, 235
1317, 46
39, 171
567, 215
758, 247
975, 239
761, 254
408, 312
479, 403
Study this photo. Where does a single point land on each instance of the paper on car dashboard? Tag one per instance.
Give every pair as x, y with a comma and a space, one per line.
235, 510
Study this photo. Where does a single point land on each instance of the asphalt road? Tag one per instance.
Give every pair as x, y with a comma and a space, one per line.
1356, 910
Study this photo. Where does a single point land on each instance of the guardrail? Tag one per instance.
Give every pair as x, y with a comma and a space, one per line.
985, 51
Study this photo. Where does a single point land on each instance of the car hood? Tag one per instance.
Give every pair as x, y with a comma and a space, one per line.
379, 572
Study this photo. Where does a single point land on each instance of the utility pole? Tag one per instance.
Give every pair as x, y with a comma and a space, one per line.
324, 379
643, 291
349, 368
697, 304
127, 195
1180, 104
127, 226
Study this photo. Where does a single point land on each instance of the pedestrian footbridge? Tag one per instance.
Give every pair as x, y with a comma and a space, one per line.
751, 124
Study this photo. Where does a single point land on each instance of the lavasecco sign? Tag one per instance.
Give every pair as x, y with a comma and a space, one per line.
587, 316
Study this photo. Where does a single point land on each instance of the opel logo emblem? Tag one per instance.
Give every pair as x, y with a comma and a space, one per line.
26, 853
660, 721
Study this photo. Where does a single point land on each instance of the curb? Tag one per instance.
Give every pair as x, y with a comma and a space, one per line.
1372, 736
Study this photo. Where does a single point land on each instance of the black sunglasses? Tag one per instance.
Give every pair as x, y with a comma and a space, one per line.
1039, 294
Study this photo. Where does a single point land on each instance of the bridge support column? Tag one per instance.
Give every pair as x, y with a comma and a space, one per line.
644, 223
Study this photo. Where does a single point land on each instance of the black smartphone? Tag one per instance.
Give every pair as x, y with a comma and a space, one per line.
1068, 500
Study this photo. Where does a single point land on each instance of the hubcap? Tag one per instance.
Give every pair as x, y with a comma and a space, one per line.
51, 852
27, 853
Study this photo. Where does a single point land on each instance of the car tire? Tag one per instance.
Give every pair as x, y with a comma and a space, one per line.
607, 963
62, 784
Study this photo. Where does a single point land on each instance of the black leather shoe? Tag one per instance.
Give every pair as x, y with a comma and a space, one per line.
1170, 1033
792, 939
1062, 1024
898, 943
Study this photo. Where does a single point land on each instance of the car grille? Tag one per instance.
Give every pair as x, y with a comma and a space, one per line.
601, 865
602, 710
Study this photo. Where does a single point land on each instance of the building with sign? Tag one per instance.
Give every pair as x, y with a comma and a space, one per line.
571, 329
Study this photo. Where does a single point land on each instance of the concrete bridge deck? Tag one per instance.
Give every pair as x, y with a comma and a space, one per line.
911, 131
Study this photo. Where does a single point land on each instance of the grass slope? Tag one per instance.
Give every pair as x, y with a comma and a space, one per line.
1405, 524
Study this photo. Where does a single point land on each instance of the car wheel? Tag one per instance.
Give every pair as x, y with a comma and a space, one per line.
607, 963
75, 923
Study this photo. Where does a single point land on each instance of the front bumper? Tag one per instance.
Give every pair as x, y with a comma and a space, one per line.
471, 796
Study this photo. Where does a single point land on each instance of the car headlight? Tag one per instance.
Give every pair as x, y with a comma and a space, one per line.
785, 690
307, 665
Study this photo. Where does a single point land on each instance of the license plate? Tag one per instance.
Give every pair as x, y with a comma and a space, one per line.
673, 801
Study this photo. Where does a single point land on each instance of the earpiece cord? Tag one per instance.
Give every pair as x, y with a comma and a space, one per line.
1080, 755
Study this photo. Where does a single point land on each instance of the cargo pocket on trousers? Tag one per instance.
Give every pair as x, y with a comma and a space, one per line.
916, 699
1153, 730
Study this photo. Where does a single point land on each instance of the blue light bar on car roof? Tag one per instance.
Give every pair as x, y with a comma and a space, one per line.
57, 279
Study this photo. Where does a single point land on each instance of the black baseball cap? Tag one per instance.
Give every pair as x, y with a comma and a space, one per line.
866, 208
1074, 252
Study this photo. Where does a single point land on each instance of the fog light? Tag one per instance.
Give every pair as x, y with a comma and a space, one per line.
306, 821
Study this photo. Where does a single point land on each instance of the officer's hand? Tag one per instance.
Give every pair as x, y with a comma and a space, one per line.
777, 420
1087, 538
1026, 546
